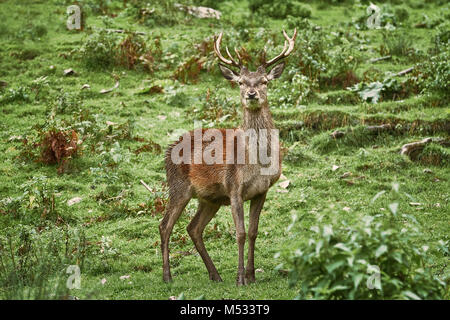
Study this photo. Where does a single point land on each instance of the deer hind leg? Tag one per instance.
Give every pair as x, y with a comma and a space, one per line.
237, 209
256, 206
195, 229
173, 211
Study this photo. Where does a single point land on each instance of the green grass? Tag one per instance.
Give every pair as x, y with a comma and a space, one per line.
112, 195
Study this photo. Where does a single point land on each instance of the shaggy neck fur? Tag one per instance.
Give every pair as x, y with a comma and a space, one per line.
257, 118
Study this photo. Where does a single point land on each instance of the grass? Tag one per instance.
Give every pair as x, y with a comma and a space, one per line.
107, 172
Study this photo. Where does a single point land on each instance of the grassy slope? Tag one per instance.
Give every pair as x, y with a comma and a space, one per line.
314, 186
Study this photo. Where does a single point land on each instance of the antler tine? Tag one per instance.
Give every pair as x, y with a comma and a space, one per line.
287, 49
238, 55
291, 41
231, 62
237, 64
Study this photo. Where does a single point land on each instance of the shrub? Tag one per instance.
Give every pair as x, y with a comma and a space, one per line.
434, 154
402, 14
280, 9
435, 73
21, 94
217, 108
391, 88
34, 264
372, 260
130, 49
394, 43
299, 90
99, 50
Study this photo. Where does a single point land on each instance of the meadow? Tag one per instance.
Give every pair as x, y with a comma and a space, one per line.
85, 115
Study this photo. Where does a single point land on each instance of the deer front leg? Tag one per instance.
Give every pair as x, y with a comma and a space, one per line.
237, 209
256, 206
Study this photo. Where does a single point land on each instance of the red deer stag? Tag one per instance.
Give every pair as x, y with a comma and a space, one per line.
240, 178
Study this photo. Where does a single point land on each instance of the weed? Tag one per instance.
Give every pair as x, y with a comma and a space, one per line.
33, 264
369, 260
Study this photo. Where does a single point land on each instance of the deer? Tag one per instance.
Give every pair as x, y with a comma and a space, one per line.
230, 183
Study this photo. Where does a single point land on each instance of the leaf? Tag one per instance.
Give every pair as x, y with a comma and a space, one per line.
371, 92
393, 207
327, 231
331, 267
319, 245
342, 246
377, 196
411, 295
338, 287
381, 249
357, 279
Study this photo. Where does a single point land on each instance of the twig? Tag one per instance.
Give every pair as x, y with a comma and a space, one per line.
124, 31
403, 72
379, 59
372, 129
146, 186
110, 89
381, 127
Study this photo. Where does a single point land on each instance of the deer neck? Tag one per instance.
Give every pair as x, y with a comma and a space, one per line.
257, 119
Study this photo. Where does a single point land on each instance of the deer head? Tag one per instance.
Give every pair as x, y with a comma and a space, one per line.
253, 84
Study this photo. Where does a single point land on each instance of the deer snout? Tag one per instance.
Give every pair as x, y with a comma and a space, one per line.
251, 95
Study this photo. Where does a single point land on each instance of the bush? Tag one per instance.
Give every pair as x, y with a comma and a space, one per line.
373, 260
34, 264
21, 94
434, 154
104, 49
435, 73
99, 50
280, 9
395, 43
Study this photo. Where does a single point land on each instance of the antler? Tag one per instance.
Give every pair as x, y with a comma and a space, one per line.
288, 47
230, 61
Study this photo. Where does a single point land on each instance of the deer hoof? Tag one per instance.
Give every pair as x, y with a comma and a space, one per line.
167, 278
215, 277
241, 281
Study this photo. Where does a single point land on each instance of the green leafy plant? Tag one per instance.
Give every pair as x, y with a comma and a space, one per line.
281, 9
375, 259
99, 49
33, 263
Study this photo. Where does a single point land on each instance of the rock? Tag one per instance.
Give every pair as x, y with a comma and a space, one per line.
69, 72
73, 201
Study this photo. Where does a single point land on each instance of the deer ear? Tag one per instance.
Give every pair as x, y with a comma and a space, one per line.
228, 73
276, 71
